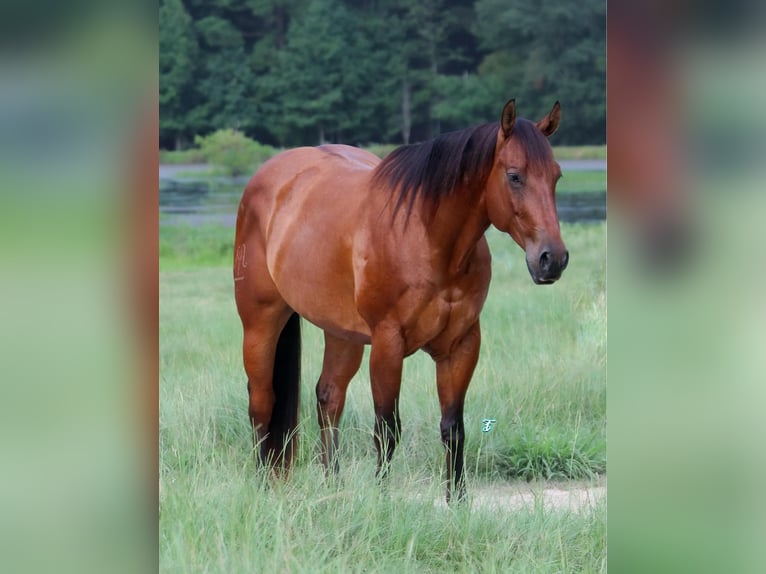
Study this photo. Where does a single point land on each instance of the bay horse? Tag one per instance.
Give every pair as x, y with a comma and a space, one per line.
390, 254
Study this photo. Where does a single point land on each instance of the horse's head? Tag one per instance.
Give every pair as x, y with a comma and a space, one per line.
521, 191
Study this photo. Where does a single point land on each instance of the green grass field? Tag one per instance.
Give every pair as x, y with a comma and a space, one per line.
541, 375
579, 152
580, 181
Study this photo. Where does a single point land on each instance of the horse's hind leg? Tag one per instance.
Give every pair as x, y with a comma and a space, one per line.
259, 349
341, 362
270, 347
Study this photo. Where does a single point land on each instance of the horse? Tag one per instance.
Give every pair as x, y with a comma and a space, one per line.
389, 253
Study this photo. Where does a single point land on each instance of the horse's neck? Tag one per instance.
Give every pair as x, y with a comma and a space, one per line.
458, 226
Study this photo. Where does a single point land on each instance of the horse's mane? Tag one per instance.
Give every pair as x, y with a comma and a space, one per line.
435, 168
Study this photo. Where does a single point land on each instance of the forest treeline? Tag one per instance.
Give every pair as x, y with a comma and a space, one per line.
302, 72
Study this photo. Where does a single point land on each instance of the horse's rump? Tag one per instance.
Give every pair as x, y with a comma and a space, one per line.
306, 204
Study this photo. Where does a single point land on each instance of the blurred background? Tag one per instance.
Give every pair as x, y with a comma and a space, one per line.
79, 92
686, 304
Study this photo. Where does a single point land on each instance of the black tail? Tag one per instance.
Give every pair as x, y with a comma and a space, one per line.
286, 383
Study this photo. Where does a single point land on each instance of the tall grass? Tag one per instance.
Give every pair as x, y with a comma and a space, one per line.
239, 520
540, 375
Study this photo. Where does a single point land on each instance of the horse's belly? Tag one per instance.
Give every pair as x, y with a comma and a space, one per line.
332, 313
316, 279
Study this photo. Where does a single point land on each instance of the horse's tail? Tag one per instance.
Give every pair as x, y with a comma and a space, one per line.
286, 383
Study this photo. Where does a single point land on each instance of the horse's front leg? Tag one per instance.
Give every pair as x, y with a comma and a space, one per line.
386, 360
453, 374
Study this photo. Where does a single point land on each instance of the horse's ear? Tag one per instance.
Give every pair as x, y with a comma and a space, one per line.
550, 123
508, 117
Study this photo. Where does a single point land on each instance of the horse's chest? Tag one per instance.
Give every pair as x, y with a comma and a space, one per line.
446, 316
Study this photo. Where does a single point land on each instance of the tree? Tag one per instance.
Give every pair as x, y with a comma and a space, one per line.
178, 54
227, 82
469, 99
420, 50
307, 87
556, 50
296, 72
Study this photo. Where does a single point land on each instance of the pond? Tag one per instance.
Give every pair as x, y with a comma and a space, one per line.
215, 200
196, 202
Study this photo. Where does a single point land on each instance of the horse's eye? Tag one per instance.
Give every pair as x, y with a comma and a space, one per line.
514, 179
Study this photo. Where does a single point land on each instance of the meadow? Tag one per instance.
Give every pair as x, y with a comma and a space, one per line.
541, 376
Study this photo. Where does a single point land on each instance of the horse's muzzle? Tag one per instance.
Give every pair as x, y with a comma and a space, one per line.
547, 267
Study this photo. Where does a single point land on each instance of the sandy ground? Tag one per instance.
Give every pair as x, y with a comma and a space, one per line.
574, 497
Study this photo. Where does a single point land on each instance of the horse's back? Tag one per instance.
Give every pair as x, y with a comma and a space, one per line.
354, 157
293, 171
299, 214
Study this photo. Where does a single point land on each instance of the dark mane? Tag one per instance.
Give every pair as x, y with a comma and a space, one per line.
436, 168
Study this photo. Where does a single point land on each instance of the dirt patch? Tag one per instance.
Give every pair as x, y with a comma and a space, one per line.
575, 497
513, 498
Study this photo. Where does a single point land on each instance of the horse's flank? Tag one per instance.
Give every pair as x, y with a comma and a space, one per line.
309, 202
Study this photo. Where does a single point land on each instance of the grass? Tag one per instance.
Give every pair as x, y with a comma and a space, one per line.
244, 523
186, 246
541, 375
192, 155
582, 181
580, 152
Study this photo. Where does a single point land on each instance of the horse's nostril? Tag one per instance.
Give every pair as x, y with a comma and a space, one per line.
565, 261
545, 260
